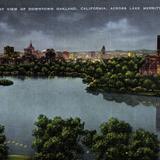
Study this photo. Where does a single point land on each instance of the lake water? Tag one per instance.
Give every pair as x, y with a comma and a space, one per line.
21, 103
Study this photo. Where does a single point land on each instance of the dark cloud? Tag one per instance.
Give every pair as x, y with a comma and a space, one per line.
80, 30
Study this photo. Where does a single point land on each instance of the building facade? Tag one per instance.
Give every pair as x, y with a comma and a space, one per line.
29, 49
31, 53
151, 64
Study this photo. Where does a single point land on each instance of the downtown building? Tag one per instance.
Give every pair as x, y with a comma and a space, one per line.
151, 65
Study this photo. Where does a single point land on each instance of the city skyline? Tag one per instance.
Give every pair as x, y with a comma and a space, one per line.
79, 30
74, 51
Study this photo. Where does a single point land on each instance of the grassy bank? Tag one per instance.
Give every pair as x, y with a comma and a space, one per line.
18, 157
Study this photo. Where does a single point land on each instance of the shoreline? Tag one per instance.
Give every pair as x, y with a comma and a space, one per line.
18, 157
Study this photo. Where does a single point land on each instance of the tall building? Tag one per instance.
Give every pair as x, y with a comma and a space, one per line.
31, 52
151, 65
103, 50
8, 50
158, 45
29, 49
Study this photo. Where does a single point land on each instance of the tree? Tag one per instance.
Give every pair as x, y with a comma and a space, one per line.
3, 147
21, 71
116, 126
125, 68
120, 152
58, 139
144, 154
10, 56
44, 70
130, 74
147, 139
99, 72
147, 83
91, 70
144, 145
50, 55
9, 51
117, 141
131, 65
119, 84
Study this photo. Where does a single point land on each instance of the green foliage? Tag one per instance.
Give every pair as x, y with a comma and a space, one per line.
9, 51
3, 147
115, 75
117, 141
119, 84
144, 154
5, 82
147, 83
99, 71
115, 126
130, 74
57, 139
21, 71
50, 55
44, 70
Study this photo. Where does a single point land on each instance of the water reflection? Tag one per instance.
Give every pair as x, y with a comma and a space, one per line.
134, 100
158, 119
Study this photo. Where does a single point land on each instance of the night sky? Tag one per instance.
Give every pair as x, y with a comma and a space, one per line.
79, 30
